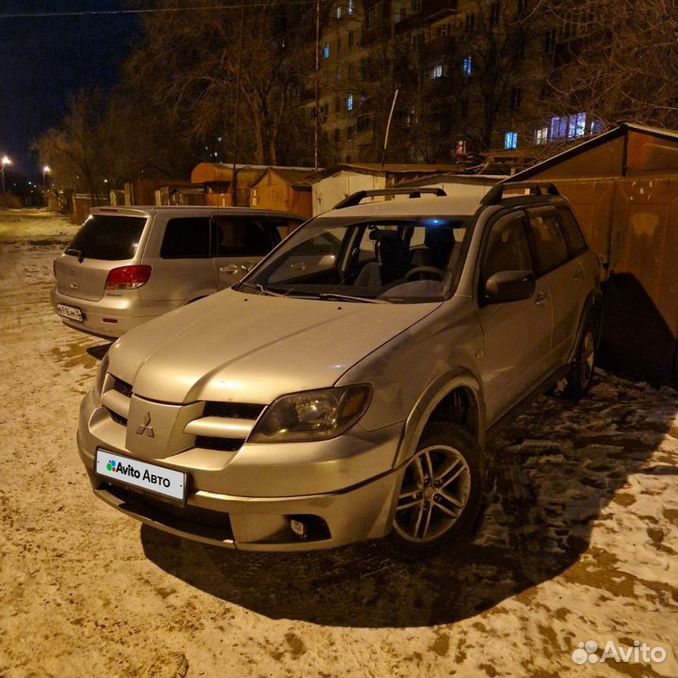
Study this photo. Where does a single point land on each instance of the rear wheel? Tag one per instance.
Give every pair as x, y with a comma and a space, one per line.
580, 377
441, 491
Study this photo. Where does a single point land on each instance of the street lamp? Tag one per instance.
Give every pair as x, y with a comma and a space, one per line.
45, 171
5, 161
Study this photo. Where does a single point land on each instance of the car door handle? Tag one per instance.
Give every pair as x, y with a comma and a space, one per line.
231, 270
541, 298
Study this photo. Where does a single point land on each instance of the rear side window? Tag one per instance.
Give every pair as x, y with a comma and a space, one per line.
186, 238
241, 237
284, 226
548, 240
575, 239
111, 238
507, 248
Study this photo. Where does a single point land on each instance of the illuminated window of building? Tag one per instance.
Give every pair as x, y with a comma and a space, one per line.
510, 140
349, 102
437, 71
541, 135
467, 66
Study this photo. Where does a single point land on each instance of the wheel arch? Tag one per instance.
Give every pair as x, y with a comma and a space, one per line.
593, 308
440, 395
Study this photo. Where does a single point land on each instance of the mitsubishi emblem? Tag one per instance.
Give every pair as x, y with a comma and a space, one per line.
146, 426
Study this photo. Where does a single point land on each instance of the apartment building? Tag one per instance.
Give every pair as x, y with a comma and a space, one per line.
471, 75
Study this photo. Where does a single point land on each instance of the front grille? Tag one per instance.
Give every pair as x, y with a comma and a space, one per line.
117, 418
122, 387
222, 444
232, 410
191, 519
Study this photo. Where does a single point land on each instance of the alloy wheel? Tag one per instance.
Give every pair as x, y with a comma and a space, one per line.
434, 492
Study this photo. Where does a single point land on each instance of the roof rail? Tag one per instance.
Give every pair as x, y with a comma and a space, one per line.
496, 194
356, 198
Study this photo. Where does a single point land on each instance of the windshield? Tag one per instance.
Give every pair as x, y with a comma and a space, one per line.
402, 260
107, 237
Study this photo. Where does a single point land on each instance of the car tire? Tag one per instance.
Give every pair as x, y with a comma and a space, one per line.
580, 377
440, 497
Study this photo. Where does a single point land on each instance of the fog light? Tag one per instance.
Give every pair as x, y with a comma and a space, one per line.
298, 528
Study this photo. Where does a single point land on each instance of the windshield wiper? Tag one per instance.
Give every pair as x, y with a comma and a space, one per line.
261, 289
78, 253
336, 296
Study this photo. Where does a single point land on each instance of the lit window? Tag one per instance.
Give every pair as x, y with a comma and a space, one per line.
437, 71
468, 66
510, 140
576, 125
339, 8
349, 102
350, 7
326, 51
541, 135
461, 147
568, 126
558, 127
596, 127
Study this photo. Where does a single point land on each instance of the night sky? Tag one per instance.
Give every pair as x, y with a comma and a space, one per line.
45, 60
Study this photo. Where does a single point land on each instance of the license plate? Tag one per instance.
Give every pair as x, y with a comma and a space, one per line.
70, 312
147, 477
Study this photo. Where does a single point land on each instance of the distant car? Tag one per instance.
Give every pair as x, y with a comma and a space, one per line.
344, 390
130, 264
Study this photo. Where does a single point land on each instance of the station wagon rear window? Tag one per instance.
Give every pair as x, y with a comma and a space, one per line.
107, 237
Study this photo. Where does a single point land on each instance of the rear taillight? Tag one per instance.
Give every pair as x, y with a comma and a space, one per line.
127, 277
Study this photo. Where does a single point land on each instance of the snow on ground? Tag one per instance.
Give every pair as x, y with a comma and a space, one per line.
579, 542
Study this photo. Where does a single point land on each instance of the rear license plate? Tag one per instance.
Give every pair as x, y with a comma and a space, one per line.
148, 477
70, 312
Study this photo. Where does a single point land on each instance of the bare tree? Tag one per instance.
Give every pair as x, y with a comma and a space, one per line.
73, 150
194, 62
618, 60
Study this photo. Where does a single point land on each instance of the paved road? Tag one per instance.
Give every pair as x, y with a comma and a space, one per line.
579, 543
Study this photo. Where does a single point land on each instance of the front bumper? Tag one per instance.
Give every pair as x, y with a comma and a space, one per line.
110, 316
336, 515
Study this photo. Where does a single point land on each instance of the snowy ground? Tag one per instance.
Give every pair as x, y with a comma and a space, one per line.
579, 543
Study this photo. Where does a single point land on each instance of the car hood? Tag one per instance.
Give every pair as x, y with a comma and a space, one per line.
250, 348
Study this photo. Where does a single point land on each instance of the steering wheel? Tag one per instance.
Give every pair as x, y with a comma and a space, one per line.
425, 271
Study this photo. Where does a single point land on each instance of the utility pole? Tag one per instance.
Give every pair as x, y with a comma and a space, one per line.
236, 121
388, 128
316, 134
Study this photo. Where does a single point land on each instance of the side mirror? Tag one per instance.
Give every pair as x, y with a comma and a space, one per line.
509, 286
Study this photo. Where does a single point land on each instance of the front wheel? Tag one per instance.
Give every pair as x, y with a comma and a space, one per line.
441, 491
580, 377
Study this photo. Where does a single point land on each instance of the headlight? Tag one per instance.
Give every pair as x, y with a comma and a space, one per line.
312, 415
101, 375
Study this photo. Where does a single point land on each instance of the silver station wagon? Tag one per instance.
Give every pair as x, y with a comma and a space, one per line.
344, 389
127, 265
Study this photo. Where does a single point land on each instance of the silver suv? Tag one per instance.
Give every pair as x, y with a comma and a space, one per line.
128, 265
344, 390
